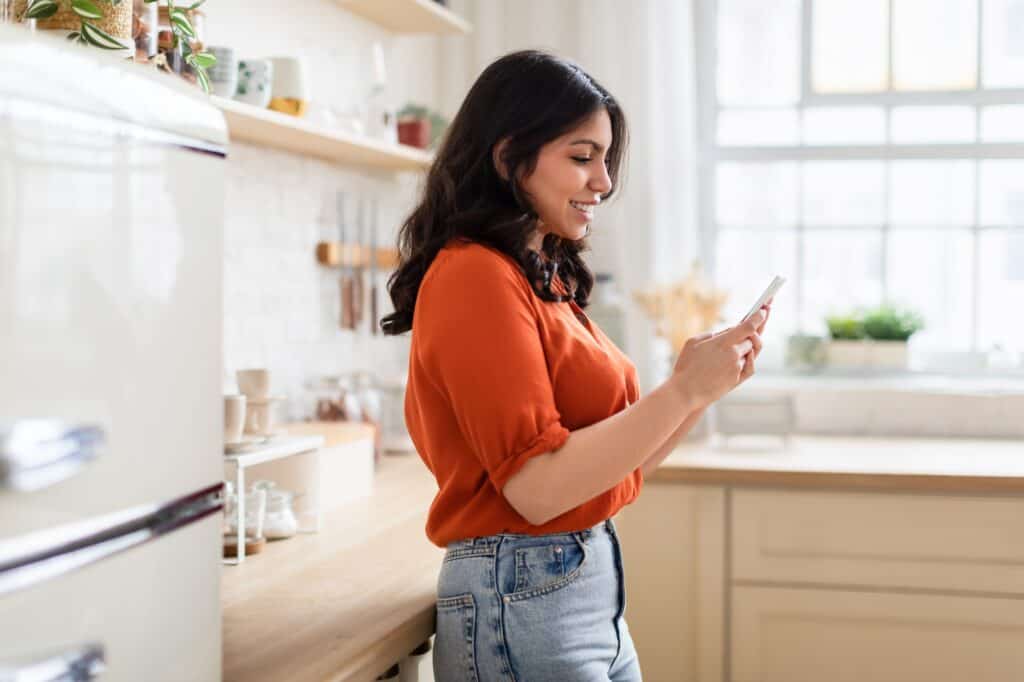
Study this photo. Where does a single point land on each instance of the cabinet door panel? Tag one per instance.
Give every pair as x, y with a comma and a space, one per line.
883, 540
792, 635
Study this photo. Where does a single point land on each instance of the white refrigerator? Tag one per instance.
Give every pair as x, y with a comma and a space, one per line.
111, 244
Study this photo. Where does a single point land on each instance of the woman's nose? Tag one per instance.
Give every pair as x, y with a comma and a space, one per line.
601, 181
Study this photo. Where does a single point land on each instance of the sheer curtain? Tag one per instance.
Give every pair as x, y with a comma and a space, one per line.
643, 53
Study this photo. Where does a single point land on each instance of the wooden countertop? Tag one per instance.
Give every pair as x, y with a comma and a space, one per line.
908, 464
342, 604
350, 601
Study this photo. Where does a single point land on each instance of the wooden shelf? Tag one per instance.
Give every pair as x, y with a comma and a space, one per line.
268, 128
409, 16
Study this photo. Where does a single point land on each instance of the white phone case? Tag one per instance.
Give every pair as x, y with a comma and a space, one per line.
768, 293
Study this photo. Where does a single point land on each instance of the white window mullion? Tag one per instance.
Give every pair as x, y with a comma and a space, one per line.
976, 231
806, 46
706, 20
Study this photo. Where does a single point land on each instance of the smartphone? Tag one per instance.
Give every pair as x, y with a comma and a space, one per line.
768, 293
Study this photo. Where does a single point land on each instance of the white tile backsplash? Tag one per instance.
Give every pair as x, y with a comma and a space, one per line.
281, 308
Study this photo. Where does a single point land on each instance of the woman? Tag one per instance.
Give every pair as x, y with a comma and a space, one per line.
527, 414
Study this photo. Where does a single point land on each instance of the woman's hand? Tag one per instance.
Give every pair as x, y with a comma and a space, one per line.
748, 368
711, 365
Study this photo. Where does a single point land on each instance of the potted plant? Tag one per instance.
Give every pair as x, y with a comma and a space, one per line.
846, 346
420, 127
889, 328
107, 24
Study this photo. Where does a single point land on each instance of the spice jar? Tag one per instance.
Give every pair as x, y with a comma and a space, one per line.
144, 29
280, 521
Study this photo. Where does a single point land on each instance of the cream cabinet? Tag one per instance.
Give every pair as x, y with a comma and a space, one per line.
751, 584
811, 635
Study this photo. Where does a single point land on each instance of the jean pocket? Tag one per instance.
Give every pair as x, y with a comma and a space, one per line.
455, 640
545, 568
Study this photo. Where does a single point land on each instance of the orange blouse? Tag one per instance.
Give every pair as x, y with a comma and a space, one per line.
497, 376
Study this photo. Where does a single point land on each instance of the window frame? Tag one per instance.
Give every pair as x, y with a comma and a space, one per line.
711, 154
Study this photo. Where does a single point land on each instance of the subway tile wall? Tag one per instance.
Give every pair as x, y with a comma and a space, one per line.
281, 308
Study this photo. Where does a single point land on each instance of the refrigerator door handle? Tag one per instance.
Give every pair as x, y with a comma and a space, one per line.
39, 556
80, 664
36, 453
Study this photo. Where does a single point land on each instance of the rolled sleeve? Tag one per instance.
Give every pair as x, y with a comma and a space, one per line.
479, 340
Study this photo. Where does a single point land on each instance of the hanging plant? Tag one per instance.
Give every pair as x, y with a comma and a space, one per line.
88, 13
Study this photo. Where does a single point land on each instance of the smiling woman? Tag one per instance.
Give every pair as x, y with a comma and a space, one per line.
526, 413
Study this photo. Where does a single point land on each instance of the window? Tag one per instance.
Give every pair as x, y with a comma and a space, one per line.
873, 150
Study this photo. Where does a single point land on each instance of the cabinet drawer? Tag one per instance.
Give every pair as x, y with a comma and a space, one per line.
793, 635
874, 539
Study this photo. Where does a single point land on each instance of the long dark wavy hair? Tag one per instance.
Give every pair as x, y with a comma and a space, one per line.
529, 98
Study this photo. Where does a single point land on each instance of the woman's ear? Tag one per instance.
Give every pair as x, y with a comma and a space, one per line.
497, 152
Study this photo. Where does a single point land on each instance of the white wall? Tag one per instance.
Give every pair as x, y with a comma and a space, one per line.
281, 307
642, 53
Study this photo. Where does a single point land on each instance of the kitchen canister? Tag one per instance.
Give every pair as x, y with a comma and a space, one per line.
291, 88
223, 74
255, 80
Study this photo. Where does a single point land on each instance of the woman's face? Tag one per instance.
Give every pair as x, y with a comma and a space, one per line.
570, 178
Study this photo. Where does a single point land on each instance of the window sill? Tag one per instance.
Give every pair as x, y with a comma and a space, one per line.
897, 403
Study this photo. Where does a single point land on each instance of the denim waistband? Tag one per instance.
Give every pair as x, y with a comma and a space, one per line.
603, 527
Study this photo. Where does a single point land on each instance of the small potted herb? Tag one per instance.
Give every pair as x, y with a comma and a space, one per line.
419, 126
107, 24
846, 346
889, 329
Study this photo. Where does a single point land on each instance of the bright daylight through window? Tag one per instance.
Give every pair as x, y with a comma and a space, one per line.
873, 150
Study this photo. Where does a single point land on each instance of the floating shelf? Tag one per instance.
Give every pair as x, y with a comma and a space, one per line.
409, 16
268, 128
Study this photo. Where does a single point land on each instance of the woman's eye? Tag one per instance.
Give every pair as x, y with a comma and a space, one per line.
581, 159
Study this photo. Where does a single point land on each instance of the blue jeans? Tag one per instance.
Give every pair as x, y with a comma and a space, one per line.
530, 608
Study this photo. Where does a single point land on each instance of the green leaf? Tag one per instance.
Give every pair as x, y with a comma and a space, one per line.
204, 59
196, 5
204, 80
74, 35
86, 9
41, 9
100, 38
180, 22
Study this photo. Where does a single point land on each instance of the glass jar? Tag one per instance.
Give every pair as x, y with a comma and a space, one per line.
144, 29
607, 310
280, 521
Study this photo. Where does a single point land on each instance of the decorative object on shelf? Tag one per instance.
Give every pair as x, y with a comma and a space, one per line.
106, 24
145, 23
875, 338
290, 89
186, 39
381, 122
681, 310
234, 418
420, 127
806, 352
223, 74
607, 309
255, 81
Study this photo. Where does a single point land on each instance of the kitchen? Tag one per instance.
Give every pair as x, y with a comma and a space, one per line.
901, 182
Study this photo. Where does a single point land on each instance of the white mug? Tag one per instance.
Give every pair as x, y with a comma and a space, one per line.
254, 383
234, 418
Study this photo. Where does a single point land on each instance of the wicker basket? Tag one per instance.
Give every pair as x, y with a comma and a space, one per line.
117, 18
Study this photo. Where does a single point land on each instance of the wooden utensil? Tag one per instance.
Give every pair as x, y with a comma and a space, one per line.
359, 291
374, 324
346, 282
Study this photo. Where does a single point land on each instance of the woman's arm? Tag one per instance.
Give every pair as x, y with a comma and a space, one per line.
599, 456
661, 453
